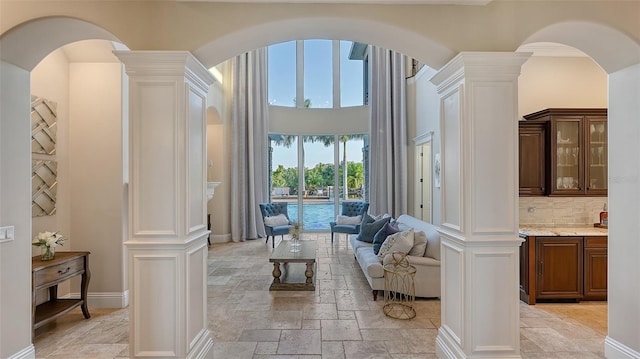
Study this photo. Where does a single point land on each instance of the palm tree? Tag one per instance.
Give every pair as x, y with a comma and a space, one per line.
328, 140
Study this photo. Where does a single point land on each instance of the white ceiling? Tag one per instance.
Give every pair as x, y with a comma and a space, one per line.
90, 51
551, 49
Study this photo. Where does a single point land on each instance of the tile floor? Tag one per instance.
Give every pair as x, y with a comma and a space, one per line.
338, 320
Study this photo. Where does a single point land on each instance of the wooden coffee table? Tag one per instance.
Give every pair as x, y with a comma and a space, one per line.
291, 276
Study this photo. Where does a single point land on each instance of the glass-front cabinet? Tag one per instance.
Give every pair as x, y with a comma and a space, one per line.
577, 153
568, 168
597, 154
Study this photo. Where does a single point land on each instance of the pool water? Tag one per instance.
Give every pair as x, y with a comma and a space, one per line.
316, 216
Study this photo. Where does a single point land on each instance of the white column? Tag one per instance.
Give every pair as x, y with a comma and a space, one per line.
623, 339
167, 244
479, 114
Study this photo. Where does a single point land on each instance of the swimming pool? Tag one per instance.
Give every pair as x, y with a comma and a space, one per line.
316, 216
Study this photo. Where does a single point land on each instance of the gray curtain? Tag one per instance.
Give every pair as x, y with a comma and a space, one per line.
388, 150
249, 112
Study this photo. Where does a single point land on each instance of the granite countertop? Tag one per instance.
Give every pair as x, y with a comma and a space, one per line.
541, 230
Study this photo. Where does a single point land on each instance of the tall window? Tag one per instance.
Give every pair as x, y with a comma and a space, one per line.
351, 77
315, 74
282, 74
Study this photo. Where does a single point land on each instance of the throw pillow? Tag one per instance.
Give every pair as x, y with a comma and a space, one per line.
397, 242
419, 244
348, 220
382, 235
274, 221
370, 227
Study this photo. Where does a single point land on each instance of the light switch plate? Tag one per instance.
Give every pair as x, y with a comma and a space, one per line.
7, 233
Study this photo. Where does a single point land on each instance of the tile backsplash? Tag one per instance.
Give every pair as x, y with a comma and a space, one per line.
561, 211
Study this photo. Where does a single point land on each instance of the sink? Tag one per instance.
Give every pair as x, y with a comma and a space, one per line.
211, 189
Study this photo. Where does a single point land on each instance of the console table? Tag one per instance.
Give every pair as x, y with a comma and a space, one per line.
48, 274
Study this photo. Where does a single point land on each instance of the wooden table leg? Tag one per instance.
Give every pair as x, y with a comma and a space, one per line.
84, 285
309, 273
276, 272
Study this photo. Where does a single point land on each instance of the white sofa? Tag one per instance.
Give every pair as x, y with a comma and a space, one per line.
427, 278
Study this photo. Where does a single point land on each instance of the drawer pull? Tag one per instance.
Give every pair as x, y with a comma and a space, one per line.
62, 272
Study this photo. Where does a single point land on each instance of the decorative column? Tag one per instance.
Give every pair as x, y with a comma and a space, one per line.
479, 230
167, 244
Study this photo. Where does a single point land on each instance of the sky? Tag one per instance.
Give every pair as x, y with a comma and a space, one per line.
318, 85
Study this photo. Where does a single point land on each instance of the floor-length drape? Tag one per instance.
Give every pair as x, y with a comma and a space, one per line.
388, 150
249, 112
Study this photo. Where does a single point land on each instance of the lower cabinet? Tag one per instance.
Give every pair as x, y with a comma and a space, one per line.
560, 271
563, 268
595, 268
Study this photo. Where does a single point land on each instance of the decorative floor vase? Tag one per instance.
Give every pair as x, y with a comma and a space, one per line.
48, 254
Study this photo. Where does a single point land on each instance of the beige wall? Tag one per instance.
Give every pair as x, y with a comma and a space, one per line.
548, 82
15, 210
50, 80
95, 173
91, 207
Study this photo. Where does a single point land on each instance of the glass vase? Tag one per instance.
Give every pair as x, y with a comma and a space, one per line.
48, 253
295, 245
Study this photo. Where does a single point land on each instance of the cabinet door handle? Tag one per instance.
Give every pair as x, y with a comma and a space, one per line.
61, 272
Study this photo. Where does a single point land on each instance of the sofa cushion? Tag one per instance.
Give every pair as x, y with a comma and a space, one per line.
382, 235
369, 262
433, 237
356, 244
419, 244
370, 227
397, 242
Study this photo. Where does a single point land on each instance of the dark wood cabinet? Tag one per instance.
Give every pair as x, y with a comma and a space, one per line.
574, 161
559, 261
595, 268
532, 153
563, 268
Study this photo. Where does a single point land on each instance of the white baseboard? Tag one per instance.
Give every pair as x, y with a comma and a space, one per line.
26, 353
221, 238
104, 299
613, 349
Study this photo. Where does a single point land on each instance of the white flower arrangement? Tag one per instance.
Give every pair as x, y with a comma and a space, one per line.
294, 231
48, 239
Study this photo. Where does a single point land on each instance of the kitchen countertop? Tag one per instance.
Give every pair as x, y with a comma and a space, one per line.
542, 230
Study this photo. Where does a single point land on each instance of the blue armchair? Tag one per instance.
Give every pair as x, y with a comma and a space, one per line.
350, 209
274, 209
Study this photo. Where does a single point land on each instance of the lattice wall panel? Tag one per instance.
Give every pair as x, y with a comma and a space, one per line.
43, 126
44, 186
44, 182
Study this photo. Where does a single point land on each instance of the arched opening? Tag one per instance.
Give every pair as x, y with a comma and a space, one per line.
619, 58
252, 38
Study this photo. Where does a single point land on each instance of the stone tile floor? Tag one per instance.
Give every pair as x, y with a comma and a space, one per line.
338, 320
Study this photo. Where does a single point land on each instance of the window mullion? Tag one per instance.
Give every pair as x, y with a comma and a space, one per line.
300, 73
336, 73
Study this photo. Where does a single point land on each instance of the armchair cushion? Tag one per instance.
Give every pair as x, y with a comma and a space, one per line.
353, 220
274, 221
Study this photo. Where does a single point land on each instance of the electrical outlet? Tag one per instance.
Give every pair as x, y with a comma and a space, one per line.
7, 233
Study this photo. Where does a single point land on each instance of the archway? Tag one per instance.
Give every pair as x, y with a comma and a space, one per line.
47, 36
619, 56
360, 30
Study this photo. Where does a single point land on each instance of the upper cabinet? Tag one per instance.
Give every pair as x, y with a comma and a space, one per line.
574, 153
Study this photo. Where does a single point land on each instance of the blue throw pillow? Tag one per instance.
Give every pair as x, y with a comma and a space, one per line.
370, 227
380, 236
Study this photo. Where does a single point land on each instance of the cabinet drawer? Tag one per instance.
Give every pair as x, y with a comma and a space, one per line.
62, 270
595, 242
